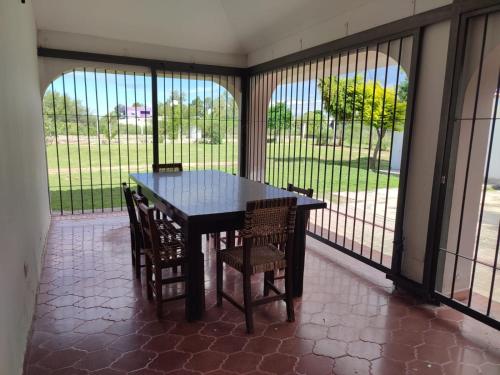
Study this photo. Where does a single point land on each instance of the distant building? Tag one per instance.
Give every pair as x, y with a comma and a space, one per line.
142, 112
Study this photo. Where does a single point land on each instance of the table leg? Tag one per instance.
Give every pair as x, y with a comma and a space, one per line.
299, 252
195, 277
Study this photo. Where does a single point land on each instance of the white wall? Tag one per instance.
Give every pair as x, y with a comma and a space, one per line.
367, 16
24, 216
424, 147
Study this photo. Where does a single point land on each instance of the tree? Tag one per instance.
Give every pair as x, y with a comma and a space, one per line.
279, 116
348, 100
317, 126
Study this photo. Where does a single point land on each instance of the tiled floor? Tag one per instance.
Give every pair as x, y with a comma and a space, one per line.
93, 318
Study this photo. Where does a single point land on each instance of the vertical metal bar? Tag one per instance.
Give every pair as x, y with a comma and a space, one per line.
189, 121
306, 136
225, 113
119, 136
204, 120
483, 197
172, 105
473, 126
243, 127
251, 140
283, 183
275, 92
326, 148
295, 123
261, 137
197, 119
290, 130
234, 118
212, 124
78, 140
342, 149
353, 114
390, 149
359, 150
57, 146
339, 57
99, 139
126, 124
302, 135
319, 150
136, 125
88, 137
67, 142
181, 99
219, 141
369, 150
154, 104
109, 140
314, 127
380, 147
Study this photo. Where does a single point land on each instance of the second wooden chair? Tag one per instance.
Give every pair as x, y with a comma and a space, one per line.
267, 246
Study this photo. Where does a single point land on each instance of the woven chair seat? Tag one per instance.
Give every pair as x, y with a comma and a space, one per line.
262, 258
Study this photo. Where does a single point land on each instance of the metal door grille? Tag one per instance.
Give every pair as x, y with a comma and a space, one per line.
336, 124
99, 128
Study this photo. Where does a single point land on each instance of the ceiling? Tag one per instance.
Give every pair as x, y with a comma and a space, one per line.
223, 26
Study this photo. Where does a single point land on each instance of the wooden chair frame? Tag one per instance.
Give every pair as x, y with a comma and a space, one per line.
283, 240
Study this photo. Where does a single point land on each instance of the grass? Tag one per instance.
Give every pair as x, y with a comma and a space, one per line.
93, 182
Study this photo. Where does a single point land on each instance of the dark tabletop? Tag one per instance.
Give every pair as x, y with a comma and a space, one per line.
201, 193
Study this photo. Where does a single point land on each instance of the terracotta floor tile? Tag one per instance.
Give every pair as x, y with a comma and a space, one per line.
92, 318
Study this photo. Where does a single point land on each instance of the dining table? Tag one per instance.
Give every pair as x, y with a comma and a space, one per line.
211, 201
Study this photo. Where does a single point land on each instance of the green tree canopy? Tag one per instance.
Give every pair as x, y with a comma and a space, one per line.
348, 100
279, 116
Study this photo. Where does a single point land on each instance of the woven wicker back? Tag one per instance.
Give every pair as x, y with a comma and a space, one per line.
169, 167
143, 211
269, 221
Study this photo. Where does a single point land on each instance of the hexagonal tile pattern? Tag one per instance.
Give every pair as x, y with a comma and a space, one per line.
92, 317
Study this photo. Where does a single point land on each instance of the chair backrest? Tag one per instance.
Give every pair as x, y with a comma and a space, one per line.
132, 214
269, 221
307, 192
169, 167
149, 230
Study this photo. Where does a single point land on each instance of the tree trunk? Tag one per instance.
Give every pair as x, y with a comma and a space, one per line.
378, 145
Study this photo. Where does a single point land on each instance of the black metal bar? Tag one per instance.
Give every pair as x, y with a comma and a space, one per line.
67, 143
353, 110
390, 148
109, 140
302, 136
284, 119
290, 128
234, 118
327, 141
181, 99
314, 129
319, 149
78, 140
127, 124
361, 123
189, 121
57, 146
243, 126
154, 104
88, 138
307, 125
119, 136
342, 150
368, 167
339, 58
99, 140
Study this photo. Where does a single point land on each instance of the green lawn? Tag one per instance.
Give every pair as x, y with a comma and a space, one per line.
95, 178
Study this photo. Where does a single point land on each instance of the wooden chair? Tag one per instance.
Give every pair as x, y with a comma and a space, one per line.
135, 230
169, 167
163, 246
235, 236
267, 246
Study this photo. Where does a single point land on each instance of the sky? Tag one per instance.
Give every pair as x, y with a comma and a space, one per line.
90, 88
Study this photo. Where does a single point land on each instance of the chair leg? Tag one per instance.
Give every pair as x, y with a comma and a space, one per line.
247, 297
149, 278
133, 246
220, 270
137, 259
289, 295
158, 292
268, 277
